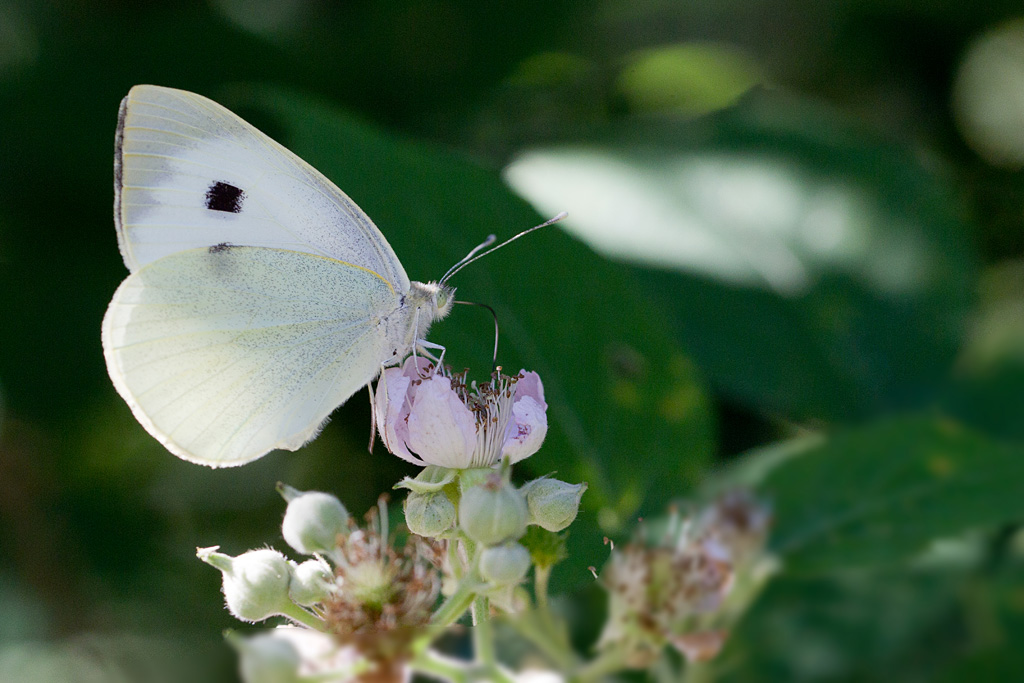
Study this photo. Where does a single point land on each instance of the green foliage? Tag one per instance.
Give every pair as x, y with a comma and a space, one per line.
823, 273
880, 494
810, 268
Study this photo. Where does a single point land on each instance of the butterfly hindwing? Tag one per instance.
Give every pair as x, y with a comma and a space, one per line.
223, 357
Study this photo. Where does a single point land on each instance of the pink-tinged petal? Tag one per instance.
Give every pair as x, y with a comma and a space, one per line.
700, 647
391, 409
417, 367
531, 386
526, 430
442, 430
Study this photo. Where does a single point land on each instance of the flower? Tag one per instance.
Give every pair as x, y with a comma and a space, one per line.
385, 594
682, 588
432, 416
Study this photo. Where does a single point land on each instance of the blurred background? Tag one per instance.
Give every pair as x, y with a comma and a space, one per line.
794, 225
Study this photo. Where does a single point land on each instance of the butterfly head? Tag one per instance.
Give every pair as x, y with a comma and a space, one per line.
433, 298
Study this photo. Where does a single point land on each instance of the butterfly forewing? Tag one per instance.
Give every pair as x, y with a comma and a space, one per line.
223, 357
190, 173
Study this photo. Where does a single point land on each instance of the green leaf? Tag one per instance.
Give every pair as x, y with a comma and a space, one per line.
880, 494
809, 267
858, 626
626, 408
986, 392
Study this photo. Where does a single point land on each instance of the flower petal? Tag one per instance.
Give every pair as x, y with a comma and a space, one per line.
527, 428
391, 409
531, 386
417, 367
442, 430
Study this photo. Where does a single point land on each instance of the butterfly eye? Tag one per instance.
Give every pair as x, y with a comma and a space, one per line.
443, 299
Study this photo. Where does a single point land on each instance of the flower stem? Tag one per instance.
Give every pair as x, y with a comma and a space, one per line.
301, 616
698, 672
453, 558
609, 661
483, 634
540, 587
483, 644
456, 604
547, 637
438, 666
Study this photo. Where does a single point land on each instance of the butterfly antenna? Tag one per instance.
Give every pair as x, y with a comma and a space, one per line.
483, 245
494, 361
475, 254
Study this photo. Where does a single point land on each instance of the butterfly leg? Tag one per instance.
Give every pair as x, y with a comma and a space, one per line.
423, 345
373, 410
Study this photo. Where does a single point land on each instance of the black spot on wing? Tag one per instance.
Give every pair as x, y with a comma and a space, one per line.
220, 248
224, 197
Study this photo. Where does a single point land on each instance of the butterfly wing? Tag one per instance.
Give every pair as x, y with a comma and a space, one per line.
226, 353
189, 173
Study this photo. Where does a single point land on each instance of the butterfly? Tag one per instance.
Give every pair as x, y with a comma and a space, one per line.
260, 297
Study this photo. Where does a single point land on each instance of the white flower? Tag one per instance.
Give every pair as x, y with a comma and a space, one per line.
434, 418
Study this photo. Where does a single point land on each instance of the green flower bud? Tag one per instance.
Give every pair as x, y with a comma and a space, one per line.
429, 514
266, 659
255, 583
505, 564
311, 582
493, 513
313, 522
553, 504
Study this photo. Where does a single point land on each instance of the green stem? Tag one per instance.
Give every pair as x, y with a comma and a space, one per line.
483, 644
438, 666
453, 558
541, 575
698, 672
546, 637
456, 604
483, 634
607, 662
297, 614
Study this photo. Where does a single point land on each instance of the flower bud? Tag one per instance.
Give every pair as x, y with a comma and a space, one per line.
266, 659
493, 513
255, 583
553, 504
504, 564
429, 514
310, 583
313, 522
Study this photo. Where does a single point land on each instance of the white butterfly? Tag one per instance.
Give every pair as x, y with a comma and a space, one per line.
260, 296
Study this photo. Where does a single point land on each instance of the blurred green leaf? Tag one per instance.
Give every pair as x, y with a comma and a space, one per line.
809, 267
989, 399
881, 493
845, 628
692, 78
114, 658
987, 388
628, 413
